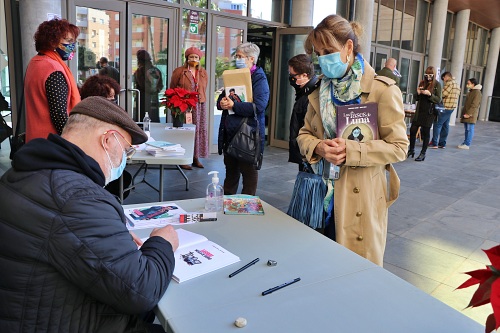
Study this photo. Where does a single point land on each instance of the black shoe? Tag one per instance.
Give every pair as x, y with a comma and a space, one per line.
420, 157
410, 152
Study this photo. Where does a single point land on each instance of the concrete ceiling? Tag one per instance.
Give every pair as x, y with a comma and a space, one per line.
485, 13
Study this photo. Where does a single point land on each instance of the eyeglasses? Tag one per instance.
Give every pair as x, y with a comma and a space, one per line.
429, 75
240, 57
130, 151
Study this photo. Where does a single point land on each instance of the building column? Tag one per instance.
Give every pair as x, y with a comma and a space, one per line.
489, 73
458, 54
31, 14
439, 14
364, 15
302, 13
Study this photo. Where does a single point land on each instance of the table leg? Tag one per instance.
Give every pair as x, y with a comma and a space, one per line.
183, 175
161, 182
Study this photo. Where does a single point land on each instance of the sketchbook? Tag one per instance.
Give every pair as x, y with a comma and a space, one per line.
242, 204
154, 216
196, 256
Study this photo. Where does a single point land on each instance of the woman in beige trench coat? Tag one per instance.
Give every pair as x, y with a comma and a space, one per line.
361, 197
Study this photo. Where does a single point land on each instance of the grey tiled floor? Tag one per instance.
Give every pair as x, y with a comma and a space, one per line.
448, 210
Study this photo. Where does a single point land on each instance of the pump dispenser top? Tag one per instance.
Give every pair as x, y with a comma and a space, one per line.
215, 177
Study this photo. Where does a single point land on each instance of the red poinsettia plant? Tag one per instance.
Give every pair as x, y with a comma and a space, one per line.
489, 287
179, 101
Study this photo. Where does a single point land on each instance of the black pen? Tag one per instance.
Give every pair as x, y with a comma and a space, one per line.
273, 289
244, 267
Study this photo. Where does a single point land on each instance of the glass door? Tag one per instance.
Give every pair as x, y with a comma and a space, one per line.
104, 26
102, 31
227, 34
289, 43
411, 69
149, 59
381, 56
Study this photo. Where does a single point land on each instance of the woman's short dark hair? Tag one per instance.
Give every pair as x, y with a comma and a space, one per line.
99, 85
301, 63
49, 33
473, 81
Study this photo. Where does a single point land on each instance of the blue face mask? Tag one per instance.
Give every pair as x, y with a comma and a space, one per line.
117, 172
65, 50
240, 63
332, 66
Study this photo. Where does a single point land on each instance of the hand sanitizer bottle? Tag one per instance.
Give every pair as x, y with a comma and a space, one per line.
146, 123
214, 201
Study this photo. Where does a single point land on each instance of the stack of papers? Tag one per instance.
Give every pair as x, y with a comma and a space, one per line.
164, 148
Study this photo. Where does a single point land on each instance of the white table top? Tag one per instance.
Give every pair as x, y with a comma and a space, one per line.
338, 292
159, 133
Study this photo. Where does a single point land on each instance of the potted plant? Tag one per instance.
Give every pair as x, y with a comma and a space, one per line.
489, 287
179, 101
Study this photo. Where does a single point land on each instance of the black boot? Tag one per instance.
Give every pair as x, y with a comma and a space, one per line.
411, 153
420, 157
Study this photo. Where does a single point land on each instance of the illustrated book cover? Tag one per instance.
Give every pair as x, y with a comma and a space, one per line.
154, 216
357, 122
238, 84
242, 204
196, 255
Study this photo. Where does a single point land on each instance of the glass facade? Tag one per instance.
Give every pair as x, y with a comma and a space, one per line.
400, 29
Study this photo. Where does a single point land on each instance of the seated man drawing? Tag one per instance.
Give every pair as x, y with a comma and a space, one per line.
68, 262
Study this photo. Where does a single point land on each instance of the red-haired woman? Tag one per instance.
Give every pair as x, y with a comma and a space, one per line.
50, 89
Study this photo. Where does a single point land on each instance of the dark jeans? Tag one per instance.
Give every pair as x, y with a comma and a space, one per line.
441, 128
234, 168
425, 133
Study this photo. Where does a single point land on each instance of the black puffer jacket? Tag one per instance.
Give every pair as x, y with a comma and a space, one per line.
297, 117
68, 263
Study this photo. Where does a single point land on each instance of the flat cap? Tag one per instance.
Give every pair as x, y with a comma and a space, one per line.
100, 108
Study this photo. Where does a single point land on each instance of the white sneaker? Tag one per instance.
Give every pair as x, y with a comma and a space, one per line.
463, 147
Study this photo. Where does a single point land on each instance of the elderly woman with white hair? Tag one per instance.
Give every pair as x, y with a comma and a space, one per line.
246, 57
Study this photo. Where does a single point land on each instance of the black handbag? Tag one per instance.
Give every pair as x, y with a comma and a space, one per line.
436, 108
245, 144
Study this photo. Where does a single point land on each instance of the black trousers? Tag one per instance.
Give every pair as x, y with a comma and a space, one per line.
234, 168
425, 134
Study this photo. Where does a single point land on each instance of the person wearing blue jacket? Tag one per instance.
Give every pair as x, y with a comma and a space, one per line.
246, 57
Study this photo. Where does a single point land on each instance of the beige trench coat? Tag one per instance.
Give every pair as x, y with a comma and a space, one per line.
361, 196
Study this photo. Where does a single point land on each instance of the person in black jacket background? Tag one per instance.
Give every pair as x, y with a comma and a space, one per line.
303, 80
246, 56
68, 262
